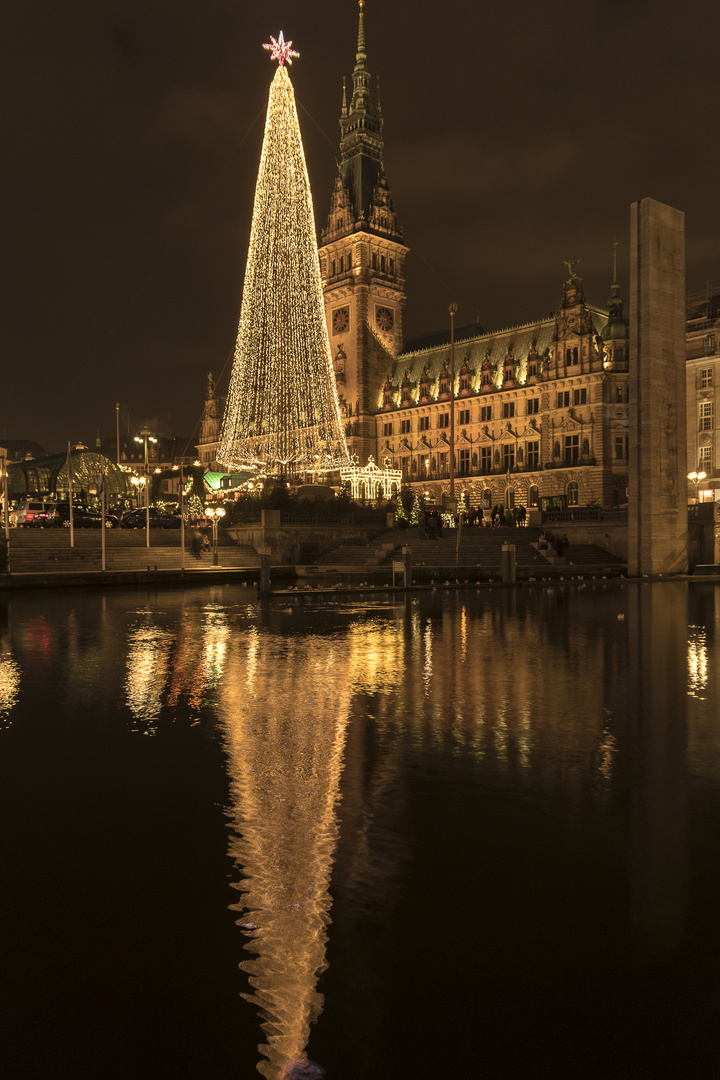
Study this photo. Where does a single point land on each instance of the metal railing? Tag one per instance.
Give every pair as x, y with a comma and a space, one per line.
584, 514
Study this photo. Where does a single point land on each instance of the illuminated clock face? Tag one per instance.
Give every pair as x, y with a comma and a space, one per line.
385, 318
341, 320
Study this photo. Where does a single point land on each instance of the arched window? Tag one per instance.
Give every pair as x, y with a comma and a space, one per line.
533, 496
487, 498
572, 494
509, 498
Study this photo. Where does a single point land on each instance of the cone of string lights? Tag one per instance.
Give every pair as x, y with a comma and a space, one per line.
282, 415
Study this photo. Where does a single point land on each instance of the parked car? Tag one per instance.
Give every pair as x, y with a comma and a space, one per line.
136, 519
84, 518
36, 514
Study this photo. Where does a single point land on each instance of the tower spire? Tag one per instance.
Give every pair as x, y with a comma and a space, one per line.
360, 56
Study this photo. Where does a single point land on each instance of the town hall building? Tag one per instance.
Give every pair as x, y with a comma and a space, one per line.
541, 409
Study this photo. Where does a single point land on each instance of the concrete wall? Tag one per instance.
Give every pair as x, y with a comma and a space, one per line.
300, 544
657, 523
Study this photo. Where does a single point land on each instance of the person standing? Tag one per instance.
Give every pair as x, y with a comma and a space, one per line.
197, 543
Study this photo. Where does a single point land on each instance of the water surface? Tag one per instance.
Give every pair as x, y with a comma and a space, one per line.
463, 833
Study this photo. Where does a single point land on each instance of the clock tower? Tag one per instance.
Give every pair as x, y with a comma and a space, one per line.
362, 262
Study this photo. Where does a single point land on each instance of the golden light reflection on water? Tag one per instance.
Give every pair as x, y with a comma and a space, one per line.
697, 661
285, 721
10, 676
148, 655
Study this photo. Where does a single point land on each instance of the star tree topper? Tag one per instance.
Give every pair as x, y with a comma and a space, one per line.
280, 50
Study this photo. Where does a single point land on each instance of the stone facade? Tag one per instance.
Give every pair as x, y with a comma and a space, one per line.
702, 388
541, 413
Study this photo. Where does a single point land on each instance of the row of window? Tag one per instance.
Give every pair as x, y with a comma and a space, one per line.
564, 397
507, 455
339, 266
572, 490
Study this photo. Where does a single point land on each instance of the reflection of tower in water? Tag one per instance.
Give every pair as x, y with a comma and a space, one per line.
285, 719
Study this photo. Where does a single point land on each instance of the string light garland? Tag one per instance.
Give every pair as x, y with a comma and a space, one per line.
282, 414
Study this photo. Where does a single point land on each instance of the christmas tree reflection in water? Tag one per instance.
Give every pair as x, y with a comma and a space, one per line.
285, 721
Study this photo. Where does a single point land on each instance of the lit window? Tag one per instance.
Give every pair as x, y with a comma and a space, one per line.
572, 449
572, 493
707, 410
533, 496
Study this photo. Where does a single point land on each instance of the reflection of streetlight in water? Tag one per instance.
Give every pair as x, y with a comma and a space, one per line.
285, 720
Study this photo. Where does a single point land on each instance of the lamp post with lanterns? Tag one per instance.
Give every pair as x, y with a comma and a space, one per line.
215, 514
697, 479
6, 515
452, 311
145, 437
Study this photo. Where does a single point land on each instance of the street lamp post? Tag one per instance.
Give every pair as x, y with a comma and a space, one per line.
215, 514
145, 437
697, 479
453, 310
6, 516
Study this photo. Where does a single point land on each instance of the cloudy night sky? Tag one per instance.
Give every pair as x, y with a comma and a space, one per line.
516, 136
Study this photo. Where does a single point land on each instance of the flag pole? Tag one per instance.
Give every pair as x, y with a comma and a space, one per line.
102, 513
70, 496
182, 519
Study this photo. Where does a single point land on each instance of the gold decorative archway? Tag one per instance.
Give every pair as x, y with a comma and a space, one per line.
367, 481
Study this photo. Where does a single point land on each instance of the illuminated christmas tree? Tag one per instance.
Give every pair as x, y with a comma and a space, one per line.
282, 414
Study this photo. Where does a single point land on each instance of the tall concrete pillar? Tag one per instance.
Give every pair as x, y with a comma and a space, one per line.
657, 526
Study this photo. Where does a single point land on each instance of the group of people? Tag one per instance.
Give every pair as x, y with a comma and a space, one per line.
560, 543
510, 518
429, 525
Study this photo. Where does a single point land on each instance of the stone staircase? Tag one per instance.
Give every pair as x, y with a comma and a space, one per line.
48, 551
478, 547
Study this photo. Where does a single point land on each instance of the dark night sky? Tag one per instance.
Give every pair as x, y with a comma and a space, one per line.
517, 135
